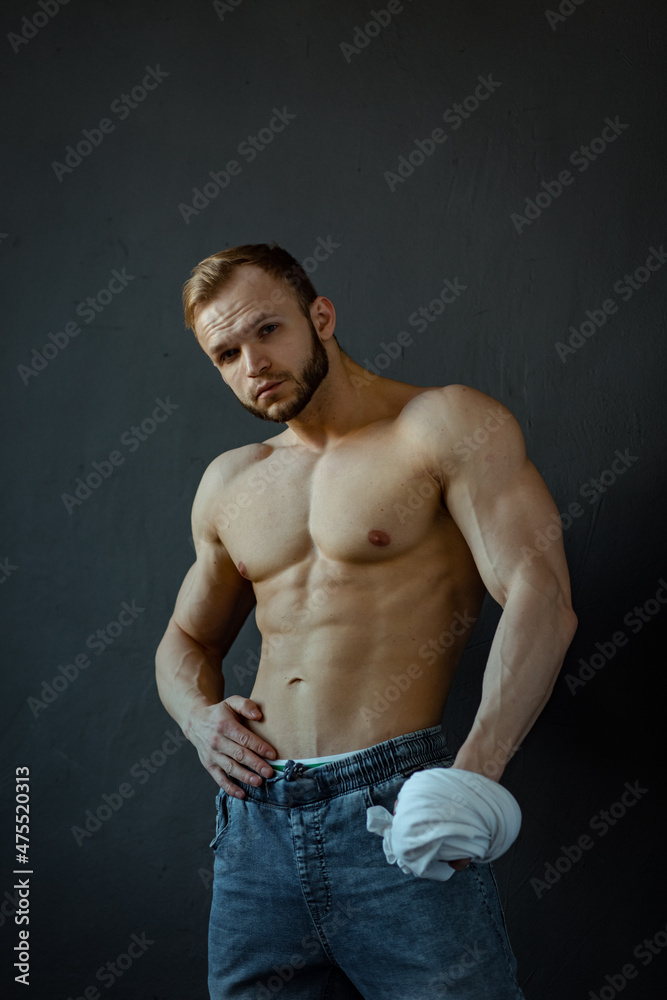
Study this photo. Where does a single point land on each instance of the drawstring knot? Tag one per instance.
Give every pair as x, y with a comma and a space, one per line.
294, 769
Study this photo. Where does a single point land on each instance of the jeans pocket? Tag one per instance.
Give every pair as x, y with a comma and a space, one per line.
222, 818
384, 793
445, 761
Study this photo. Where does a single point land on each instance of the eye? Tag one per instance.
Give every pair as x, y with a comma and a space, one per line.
230, 353
226, 355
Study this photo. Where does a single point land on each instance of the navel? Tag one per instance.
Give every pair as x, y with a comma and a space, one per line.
243, 571
376, 537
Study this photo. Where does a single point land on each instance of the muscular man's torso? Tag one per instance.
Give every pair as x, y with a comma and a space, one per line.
366, 589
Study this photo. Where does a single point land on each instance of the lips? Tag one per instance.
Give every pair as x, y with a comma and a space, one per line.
267, 388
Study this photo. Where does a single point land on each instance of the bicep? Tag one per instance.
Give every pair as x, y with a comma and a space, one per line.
214, 599
508, 517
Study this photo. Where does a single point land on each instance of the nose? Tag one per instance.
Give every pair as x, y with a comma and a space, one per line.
255, 359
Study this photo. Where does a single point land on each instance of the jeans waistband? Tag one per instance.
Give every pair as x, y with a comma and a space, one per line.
400, 755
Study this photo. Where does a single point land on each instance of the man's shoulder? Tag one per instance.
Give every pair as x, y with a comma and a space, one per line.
452, 407
219, 476
222, 472
449, 425
229, 464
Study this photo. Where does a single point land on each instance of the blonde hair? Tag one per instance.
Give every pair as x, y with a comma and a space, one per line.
212, 274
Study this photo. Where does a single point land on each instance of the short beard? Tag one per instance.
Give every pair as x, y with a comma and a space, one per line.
307, 381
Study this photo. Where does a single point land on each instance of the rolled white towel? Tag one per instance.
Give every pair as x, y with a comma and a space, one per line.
444, 814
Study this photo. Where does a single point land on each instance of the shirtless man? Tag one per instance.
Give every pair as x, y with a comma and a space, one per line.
365, 534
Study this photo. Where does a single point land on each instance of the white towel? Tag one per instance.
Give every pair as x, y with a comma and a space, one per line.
444, 814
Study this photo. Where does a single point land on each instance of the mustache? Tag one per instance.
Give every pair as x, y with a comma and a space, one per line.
279, 377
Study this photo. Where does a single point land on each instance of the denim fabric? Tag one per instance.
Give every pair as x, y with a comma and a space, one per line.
305, 905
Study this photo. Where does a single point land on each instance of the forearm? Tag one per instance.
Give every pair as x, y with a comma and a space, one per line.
188, 675
527, 653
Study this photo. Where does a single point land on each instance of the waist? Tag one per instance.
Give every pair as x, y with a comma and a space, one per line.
401, 754
319, 709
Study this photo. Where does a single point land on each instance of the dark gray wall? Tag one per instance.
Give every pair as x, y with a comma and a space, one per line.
322, 180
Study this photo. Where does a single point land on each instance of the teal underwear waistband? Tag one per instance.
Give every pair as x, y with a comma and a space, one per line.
279, 765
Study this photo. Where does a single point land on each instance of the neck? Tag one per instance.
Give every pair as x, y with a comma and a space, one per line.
344, 401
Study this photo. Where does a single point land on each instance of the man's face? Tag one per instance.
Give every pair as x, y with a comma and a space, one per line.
256, 336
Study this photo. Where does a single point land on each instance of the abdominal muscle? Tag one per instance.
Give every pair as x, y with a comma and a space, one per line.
372, 659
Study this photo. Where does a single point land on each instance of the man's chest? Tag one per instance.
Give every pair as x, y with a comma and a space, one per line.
366, 501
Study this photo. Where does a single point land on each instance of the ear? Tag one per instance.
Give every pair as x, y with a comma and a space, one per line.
323, 315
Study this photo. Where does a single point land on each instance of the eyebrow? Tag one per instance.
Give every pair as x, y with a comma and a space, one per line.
248, 328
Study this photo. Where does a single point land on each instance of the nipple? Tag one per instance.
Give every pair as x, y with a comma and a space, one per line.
243, 571
376, 537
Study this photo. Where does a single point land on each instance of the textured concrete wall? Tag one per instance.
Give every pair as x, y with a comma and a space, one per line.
559, 316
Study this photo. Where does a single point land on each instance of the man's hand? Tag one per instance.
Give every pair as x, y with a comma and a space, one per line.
457, 865
460, 864
224, 745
